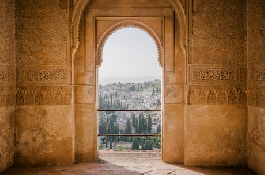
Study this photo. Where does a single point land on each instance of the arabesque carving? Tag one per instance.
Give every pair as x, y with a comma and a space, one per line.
45, 75
257, 73
128, 24
4, 75
256, 95
82, 4
43, 95
41, 33
217, 95
212, 74
7, 96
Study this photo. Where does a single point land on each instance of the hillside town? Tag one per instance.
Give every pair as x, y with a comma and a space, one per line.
129, 96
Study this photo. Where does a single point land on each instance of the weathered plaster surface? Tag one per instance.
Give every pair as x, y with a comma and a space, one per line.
216, 135
216, 121
7, 82
256, 139
226, 57
256, 85
6, 137
173, 132
43, 117
86, 133
44, 135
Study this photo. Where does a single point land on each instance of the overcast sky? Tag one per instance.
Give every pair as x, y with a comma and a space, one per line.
129, 52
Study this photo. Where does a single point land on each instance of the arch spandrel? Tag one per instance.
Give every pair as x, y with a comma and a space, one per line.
127, 24
82, 4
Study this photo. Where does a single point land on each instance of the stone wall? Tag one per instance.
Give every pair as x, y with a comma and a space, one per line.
256, 85
7, 82
216, 118
44, 116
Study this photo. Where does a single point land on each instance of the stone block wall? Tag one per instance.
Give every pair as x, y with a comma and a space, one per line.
43, 116
256, 84
216, 119
7, 82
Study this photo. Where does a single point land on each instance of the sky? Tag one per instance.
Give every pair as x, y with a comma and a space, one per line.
129, 52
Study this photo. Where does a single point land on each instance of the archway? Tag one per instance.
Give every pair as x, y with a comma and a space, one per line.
129, 94
89, 26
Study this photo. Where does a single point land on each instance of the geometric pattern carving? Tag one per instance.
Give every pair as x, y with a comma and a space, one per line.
4, 75
256, 96
45, 75
7, 32
213, 74
257, 73
215, 39
7, 96
43, 95
82, 4
41, 33
217, 95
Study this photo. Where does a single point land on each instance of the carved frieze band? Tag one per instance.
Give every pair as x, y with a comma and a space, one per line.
218, 74
256, 96
257, 73
217, 95
7, 96
26, 75
229, 74
43, 95
6, 75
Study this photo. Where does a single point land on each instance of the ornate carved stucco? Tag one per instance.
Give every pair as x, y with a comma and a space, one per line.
7, 82
43, 95
83, 49
41, 32
256, 85
80, 6
218, 51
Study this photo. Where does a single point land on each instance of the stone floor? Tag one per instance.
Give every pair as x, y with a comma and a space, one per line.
125, 166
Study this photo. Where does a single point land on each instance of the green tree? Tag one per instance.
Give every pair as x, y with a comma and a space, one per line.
158, 130
149, 124
128, 127
147, 144
135, 144
102, 125
133, 121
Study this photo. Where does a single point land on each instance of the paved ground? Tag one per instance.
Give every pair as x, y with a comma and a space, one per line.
125, 166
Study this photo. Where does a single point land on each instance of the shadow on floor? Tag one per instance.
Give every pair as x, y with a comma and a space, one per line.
125, 166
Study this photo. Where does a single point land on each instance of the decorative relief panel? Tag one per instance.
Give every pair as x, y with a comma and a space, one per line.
217, 95
7, 32
44, 76
41, 32
7, 75
257, 73
7, 96
256, 31
212, 74
4, 75
256, 96
218, 38
43, 95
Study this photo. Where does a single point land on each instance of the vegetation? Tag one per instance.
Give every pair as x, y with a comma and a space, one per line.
130, 96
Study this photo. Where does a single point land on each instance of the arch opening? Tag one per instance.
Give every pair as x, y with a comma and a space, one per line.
85, 62
129, 94
129, 24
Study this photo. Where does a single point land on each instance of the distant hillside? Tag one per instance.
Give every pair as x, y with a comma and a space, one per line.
110, 80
